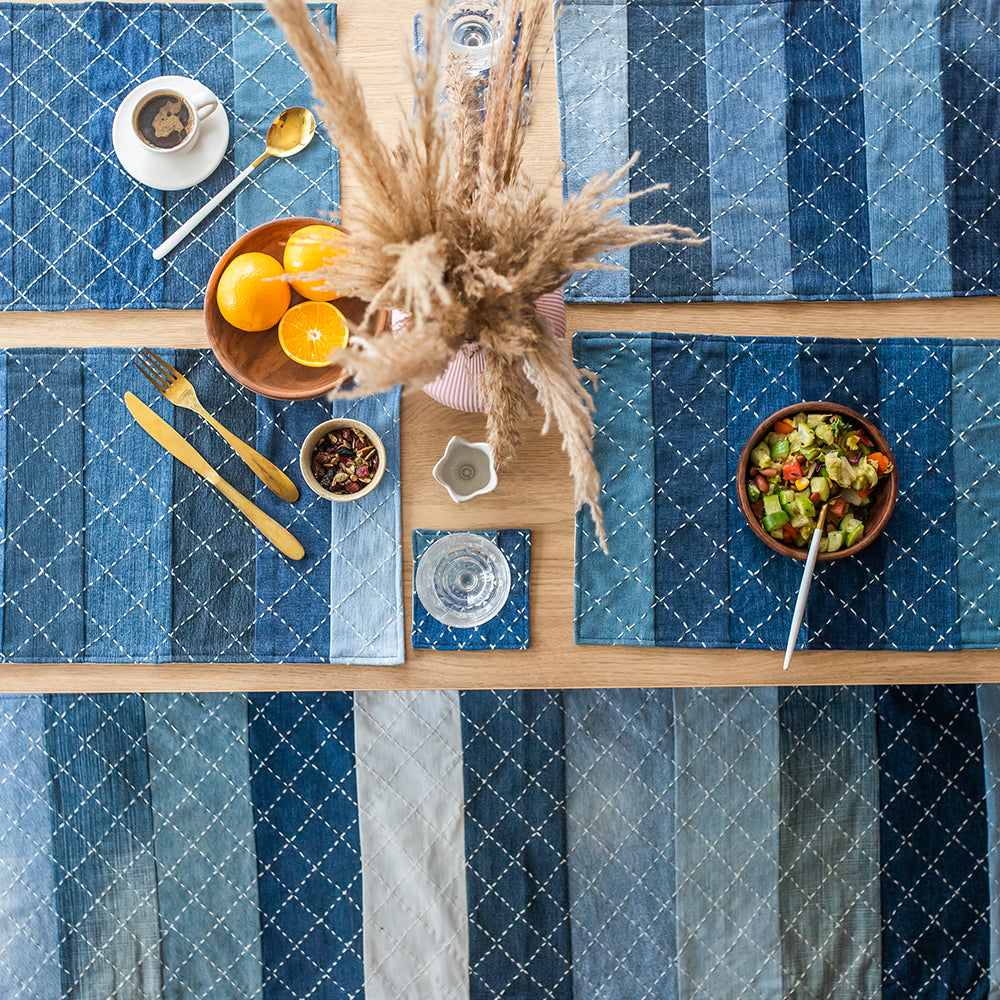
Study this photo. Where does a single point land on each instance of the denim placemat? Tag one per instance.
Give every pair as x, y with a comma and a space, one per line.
510, 629
714, 843
76, 231
115, 552
830, 150
673, 413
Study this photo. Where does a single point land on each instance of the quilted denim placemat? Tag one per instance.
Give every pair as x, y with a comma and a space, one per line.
510, 629
830, 150
673, 413
727, 842
76, 231
115, 552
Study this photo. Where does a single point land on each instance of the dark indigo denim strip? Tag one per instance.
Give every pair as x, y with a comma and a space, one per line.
305, 804
827, 176
692, 511
845, 592
515, 844
970, 55
667, 71
934, 884
102, 842
213, 544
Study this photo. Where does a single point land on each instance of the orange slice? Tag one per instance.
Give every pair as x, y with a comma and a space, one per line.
311, 331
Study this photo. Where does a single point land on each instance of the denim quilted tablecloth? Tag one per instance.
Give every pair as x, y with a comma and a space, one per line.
569, 845
673, 413
76, 231
510, 629
114, 552
831, 150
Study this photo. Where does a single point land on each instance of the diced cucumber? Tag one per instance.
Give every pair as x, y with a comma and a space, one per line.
753, 493
821, 486
803, 505
800, 520
787, 497
761, 457
772, 504
775, 520
779, 534
824, 543
779, 449
853, 530
834, 540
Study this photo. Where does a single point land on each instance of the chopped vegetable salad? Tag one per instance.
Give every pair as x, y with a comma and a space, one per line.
805, 461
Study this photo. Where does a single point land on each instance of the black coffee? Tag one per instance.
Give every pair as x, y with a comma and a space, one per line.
164, 121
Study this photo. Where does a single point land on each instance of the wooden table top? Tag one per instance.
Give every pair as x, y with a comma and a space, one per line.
535, 492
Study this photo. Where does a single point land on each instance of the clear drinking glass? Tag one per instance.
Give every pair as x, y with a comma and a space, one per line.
463, 580
471, 32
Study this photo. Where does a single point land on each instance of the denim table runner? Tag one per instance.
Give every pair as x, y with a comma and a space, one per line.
115, 552
510, 629
76, 231
831, 150
673, 413
835, 842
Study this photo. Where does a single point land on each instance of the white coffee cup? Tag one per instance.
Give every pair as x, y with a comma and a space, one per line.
166, 121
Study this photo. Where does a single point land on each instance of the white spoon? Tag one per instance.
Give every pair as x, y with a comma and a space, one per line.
807, 575
289, 133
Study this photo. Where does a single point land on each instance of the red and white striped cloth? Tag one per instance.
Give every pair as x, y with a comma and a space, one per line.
458, 385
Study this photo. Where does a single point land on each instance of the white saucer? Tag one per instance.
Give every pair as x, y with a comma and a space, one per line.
170, 172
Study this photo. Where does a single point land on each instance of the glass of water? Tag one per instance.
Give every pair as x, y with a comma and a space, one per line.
471, 32
463, 580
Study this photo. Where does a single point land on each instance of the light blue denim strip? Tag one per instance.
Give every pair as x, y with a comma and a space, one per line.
4, 486
128, 519
907, 212
29, 943
831, 920
206, 860
620, 843
366, 562
728, 810
619, 612
269, 71
975, 420
593, 120
748, 100
988, 696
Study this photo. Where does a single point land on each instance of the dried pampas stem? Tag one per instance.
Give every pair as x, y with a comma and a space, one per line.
449, 228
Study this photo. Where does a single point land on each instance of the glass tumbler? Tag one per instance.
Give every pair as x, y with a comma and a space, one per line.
463, 580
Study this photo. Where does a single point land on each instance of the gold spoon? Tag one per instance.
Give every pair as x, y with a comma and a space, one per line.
289, 134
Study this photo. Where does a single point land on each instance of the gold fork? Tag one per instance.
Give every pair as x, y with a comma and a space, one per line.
179, 391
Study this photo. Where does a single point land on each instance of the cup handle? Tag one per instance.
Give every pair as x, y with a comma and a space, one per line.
205, 108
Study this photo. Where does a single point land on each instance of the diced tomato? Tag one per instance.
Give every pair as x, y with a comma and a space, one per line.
838, 507
783, 427
788, 531
863, 493
879, 461
791, 471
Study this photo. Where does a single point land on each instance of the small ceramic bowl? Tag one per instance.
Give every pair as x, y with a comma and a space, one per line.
883, 499
466, 469
256, 360
309, 446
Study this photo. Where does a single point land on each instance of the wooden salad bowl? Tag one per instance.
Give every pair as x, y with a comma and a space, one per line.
883, 499
256, 360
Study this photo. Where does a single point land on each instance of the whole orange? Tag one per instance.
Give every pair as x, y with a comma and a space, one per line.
251, 294
312, 248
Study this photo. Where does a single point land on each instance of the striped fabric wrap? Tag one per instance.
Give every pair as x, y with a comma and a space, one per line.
830, 842
684, 569
827, 150
76, 230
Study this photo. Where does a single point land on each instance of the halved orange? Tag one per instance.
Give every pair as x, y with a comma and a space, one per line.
311, 331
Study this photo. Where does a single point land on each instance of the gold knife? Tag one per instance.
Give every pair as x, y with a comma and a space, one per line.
160, 431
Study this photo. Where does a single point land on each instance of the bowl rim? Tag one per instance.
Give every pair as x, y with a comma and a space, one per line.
309, 445
816, 406
241, 245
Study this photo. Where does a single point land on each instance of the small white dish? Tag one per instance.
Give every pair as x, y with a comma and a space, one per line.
181, 169
466, 469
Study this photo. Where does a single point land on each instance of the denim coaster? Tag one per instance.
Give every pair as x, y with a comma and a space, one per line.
509, 629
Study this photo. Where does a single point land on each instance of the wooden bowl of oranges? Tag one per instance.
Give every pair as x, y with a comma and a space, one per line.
273, 336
